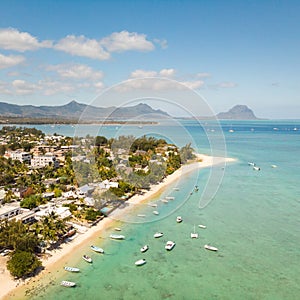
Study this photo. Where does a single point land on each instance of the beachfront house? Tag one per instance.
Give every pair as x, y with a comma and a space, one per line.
10, 210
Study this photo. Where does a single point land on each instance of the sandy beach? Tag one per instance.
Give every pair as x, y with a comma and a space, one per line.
8, 284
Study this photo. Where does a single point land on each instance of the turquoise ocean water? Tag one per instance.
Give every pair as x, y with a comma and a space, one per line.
254, 220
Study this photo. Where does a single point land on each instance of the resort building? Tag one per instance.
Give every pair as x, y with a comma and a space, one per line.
24, 157
10, 210
44, 160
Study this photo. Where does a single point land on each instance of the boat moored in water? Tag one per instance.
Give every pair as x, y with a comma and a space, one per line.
158, 235
140, 262
211, 248
170, 245
68, 283
97, 249
144, 248
71, 269
179, 219
87, 258
117, 237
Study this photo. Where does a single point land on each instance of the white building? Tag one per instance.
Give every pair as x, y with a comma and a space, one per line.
44, 160
10, 210
18, 155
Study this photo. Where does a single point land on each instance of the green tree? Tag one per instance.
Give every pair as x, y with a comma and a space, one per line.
23, 263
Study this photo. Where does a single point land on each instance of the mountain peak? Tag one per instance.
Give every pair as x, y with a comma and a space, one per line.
238, 112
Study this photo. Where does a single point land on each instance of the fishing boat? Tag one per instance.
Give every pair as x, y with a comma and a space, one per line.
97, 249
68, 283
211, 248
158, 235
87, 258
71, 269
155, 212
170, 245
202, 226
144, 248
179, 219
194, 235
117, 237
140, 262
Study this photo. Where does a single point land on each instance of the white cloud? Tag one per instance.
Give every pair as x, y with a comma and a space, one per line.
142, 73
10, 60
22, 87
149, 73
76, 71
167, 72
12, 39
163, 43
82, 46
203, 75
193, 84
126, 41
227, 84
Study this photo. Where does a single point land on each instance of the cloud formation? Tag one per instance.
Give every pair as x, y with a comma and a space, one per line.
7, 61
127, 41
82, 46
76, 71
12, 39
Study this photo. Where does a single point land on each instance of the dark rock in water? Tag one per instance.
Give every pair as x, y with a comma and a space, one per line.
238, 112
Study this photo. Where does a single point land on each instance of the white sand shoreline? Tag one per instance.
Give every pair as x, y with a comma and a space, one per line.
8, 284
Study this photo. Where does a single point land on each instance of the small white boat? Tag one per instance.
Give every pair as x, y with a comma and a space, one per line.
117, 237
273, 166
251, 164
97, 249
196, 189
71, 269
211, 248
170, 198
194, 235
140, 262
155, 212
176, 189
87, 258
256, 168
68, 283
170, 245
144, 248
230, 130
153, 204
202, 226
158, 234
118, 229
141, 216
179, 219
164, 200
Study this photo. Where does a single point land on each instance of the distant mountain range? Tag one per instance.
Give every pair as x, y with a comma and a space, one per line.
238, 112
79, 111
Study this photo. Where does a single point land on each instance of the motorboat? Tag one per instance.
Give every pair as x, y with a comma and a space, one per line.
68, 283
144, 248
158, 234
211, 248
202, 226
194, 235
97, 249
252, 164
87, 258
170, 245
140, 262
179, 219
118, 229
256, 168
170, 198
71, 269
155, 212
117, 237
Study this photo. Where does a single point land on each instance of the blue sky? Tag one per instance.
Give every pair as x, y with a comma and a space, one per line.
230, 52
